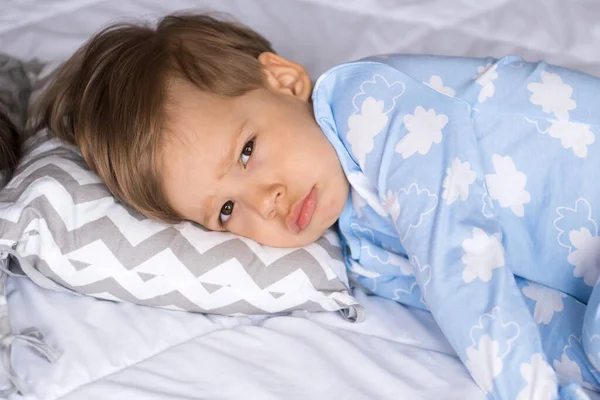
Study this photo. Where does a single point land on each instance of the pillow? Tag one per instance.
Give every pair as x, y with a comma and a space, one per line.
65, 231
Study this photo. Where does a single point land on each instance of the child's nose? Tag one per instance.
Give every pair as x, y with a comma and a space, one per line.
268, 200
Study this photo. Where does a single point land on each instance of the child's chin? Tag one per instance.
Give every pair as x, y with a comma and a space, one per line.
304, 238
287, 240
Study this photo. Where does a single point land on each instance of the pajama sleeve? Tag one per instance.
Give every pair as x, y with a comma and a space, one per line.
417, 161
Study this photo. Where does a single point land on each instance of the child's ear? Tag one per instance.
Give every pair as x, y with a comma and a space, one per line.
285, 76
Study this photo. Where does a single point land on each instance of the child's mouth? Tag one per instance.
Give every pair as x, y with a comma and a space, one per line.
302, 212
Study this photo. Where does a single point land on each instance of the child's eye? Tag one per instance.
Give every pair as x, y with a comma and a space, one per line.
225, 213
247, 152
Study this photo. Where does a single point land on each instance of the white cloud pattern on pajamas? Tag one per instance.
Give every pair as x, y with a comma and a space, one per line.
424, 129
578, 232
357, 202
592, 356
507, 185
547, 302
586, 256
435, 82
484, 363
378, 254
553, 95
363, 188
423, 277
485, 355
457, 181
572, 135
482, 255
540, 378
507, 332
413, 209
405, 266
399, 293
365, 126
370, 115
568, 370
486, 75
391, 205
487, 208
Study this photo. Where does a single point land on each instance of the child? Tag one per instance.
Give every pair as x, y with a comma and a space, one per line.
200, 120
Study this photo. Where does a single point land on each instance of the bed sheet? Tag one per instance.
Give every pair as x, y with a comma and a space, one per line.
122, 351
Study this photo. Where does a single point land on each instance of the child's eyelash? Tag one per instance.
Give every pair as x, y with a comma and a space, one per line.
221, 213
252, 142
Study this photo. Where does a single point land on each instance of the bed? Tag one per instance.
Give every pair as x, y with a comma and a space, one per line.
123, 351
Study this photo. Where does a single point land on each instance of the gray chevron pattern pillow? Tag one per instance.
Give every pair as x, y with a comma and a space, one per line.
65, 231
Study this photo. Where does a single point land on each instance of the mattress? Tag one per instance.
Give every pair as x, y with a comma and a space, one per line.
122, 351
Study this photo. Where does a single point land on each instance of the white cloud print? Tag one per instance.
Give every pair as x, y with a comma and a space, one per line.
424, 129
391, 205
376, 98
385, 257
404, 265
507, 185
592, 354
484, 363
586, 255
362, 189
378, 87
457, 181
423, 277
547, 302
485, 355
487, 209
574, 218
540, 378
357, 202
435, 82
553, 95
415, 204
364, 126
578, 232
486, 75
567, 369
401, 293
482, 254
573, 135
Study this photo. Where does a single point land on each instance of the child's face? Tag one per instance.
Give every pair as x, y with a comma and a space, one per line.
256, 165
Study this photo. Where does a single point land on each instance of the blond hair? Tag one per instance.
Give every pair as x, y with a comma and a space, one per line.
109, 98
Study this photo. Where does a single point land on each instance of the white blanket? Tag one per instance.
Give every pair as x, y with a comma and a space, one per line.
122, 351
